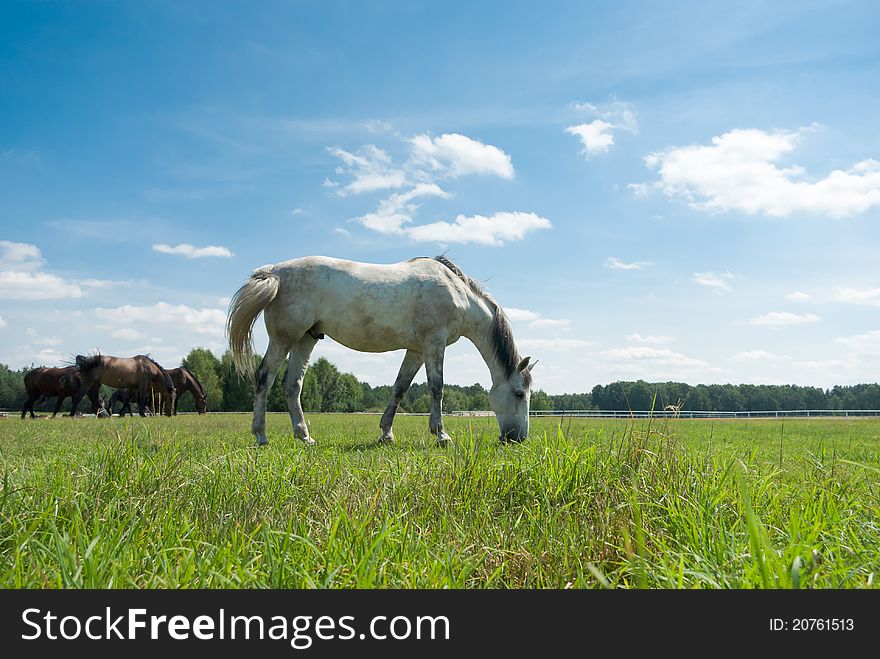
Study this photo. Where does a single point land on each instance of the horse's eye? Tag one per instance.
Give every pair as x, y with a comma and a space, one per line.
520, 394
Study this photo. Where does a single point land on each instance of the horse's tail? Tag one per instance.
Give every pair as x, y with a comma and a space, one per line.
247, 303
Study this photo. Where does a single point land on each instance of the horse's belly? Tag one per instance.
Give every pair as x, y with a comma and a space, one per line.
117, 382
370, 337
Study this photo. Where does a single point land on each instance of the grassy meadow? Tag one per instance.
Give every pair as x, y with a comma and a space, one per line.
190, 502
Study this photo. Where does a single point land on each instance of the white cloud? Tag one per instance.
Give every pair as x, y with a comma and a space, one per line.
798, 296
458, 155
648, 338
534, 319
201, 321
495, 230
515, 314
126, 334
869, 296
3, 322
616, 264
297, 211
448, 156
783, 319
554, 344
739, 171
397, 210
713, 281
596, 136
657, 356
224, 301
48, 341
550, 322
190, 252
377, 126
756, 356
862, 345
822, 364
20, 257
48, 356
371, 168
35, 286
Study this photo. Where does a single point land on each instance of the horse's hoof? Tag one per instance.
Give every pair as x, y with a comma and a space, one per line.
444, 441
262, 441
308, 441
386, 439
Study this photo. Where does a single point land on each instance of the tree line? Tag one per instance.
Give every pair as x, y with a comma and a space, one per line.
326, 389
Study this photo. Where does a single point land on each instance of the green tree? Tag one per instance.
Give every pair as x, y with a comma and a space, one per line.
540, 401
310, 397
349, 394
202, 363
421, 404
238, 393
454, 399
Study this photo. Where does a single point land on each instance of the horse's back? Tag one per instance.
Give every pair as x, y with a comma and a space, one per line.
47, 380
366, 306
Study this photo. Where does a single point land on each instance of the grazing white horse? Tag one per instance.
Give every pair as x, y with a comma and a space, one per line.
421, 305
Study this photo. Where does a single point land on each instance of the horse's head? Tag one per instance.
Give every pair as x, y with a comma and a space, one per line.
509, 399
201, 404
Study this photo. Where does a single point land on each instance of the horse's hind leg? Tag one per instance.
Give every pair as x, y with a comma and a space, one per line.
268, 369
58, 405
411, 364
293, 381
29, 406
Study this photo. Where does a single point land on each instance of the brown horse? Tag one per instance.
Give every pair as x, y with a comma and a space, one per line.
124, 397
185, 381
140, 372
60, 382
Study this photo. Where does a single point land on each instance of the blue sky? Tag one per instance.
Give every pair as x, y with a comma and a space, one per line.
670, 191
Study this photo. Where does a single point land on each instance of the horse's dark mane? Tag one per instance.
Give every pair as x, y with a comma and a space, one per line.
169, 384
195, 379
472, 284
87, 361
500, 332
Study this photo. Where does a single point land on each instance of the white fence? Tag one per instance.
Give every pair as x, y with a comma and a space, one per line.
701, 414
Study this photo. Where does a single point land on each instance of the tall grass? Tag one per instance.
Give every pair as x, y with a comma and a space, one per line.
189, 502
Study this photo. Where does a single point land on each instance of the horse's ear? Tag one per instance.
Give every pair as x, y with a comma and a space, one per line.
532, 365
524, 364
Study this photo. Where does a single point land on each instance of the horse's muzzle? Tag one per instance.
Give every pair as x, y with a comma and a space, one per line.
512, 436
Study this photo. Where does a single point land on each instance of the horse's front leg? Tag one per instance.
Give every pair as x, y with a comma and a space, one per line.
412, 362
95, 398
434, 371
58, 405
87, 381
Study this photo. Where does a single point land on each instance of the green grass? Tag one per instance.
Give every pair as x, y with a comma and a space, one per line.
190, 502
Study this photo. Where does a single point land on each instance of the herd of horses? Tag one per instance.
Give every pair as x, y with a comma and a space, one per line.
139, 378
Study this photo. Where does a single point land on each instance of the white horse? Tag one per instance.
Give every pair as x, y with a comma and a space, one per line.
421, 305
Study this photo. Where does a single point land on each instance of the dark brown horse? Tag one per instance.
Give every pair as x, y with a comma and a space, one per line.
140, 372
185, 381
60, 382
125, 397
